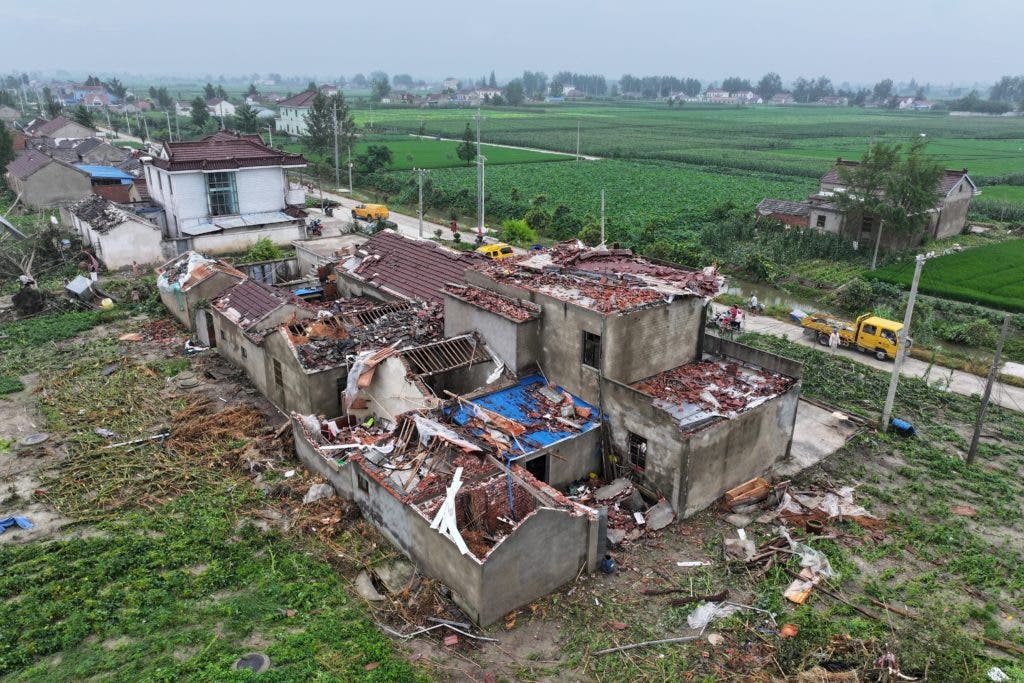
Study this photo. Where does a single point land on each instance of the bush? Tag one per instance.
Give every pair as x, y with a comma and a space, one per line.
973, 333
857, 295
517, 232
262, 250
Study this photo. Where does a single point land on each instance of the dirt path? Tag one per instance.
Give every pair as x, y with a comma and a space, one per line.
585, 157
960, 382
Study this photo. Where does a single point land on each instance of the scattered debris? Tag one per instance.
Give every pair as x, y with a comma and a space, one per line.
660, 516
104, 432
799, 508
693, 563
131, 336
788, 631
365, 588
740, 548
318, 492
648, 643
8, 522
963, 510
998, 675
613, 490
451, 641
709, 611
715, 639
753, 491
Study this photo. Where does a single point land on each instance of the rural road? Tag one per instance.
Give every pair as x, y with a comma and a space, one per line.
586, 157
960, 382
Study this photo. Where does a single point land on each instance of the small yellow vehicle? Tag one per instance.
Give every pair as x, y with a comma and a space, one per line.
370, 212
867, 333
498, 250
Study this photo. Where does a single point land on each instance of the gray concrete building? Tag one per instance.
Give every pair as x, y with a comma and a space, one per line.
187, 282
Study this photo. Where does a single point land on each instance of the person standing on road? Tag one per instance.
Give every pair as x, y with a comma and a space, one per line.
833, 339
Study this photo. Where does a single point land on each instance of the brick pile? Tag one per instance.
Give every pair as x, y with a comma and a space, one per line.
715, 386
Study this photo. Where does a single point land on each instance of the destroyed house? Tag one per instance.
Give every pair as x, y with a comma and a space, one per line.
494, 534
120, 238
186, 282
553, 434
243, 316
392, 267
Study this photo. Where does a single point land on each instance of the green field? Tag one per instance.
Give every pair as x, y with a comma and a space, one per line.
1003, 193
992, 275
635, 191
410, 152
798, 141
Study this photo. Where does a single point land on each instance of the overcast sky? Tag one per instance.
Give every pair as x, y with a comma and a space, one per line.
940, 41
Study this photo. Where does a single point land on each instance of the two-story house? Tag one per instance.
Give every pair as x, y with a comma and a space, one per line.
222, 193
292, 113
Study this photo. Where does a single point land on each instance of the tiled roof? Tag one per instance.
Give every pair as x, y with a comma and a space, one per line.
946, 183
51, 127
416, 269
27, 163
87, 145
227, 151
781, 206
222, 135
303, 99
248, 302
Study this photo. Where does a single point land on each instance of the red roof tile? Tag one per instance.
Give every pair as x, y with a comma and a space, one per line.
224, 151
946, 183
416, 269
303, 99
248, 302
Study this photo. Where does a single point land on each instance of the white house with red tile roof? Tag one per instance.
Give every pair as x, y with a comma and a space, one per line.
292, 112
222, 193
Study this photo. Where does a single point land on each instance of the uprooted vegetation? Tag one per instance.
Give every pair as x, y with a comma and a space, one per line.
185, 566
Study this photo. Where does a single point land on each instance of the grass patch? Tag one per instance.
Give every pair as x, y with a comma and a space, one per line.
10, 385
992, 275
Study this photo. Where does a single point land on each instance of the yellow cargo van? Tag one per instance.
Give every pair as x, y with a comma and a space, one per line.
495, 251
370, 212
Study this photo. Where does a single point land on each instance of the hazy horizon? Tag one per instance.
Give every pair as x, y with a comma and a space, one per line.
932, 41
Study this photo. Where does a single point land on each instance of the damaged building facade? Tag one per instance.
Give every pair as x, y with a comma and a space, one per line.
454, 406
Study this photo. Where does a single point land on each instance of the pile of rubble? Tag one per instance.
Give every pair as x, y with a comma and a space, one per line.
513, 309
629, 515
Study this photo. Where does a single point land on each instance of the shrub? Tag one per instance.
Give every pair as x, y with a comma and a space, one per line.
263, 250
517, 232
856, 295
10, 385
973, 333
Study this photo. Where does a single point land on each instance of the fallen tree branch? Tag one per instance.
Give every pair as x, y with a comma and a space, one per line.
717, 597
647, 643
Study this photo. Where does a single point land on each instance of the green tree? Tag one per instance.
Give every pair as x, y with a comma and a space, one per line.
893, 191
492, 82
246, 119
320, 124
882, 90
6, 150
381, 89
209, 92
736, 84
769, 85
467, 148
252, 91
376, 158
53, 106
514, 93
538, 219
262, 250
115, 88
221, 92
200, 115
82, 116
518, 232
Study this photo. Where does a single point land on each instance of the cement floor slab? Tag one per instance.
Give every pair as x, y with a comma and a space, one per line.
818, 433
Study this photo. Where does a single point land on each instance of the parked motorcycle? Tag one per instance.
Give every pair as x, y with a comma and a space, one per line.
315, 227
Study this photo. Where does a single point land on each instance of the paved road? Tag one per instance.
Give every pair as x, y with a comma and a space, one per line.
959, 382
570, 155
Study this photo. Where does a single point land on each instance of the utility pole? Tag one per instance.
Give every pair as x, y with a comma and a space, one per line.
992, 373
901, 345
878, 240
577, 141
350, 188
602, 215
145, 123
270, 132
177, 126
420, 172
127, 121
337, 171
479, 178
106, 111
170, 131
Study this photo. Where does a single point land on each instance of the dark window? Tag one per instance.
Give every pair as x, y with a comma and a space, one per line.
278, 380
591, 350
821, 220
637, 451
244, 354
867, 224
364, 485
221, 191
222, 335
869, 329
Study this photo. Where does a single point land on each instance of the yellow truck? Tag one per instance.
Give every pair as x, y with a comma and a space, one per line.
370, 212
498, 250
867, 333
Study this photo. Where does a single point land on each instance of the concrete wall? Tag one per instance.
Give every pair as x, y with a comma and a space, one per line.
772, 362
953, 215
52, 185
569, 460
232, 343
645, 342
183, 306
516, 343
833, 220
237, 240
349, 286
132, 241
292, 120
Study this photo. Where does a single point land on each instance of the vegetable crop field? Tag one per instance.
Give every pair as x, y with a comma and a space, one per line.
992, 275
635, 192
794, 140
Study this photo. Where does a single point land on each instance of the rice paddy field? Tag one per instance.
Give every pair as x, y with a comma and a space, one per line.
992, 275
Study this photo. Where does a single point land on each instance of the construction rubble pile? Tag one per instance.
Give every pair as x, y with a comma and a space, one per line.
700, 391
629, 516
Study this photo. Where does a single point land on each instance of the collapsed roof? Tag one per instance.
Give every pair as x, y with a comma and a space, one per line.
184, 272
604, 280
103, 215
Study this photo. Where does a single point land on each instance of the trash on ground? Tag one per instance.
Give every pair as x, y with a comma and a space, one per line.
707, 612
800, 507
997, 674
104, 432
788, 630
753, 491
8, 522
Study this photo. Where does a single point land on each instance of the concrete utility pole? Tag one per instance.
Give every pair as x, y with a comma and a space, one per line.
602, 215
993, 372
106, 111
901, 345
420, 172
127, 121
577, 140
270, 132
479, 178
170, 131
177, 126
337, 170
145, 124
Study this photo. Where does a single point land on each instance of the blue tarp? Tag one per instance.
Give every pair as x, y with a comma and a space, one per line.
517, 402
106, 172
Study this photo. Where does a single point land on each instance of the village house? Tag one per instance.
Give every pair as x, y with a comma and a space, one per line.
98, 152
292, 112
9, 115
183, 108
719, 96
60, 128
450, 84
948, 217
391, 267
111, 182
118, 238
782, 98
747, 97
220, 107
222, 193
187, 282
43, 181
